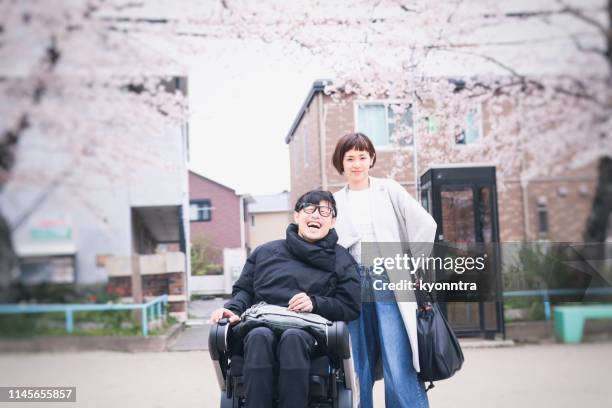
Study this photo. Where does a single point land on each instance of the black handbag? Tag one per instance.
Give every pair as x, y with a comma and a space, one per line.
440, 354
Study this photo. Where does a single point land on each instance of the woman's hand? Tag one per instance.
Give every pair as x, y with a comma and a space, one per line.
300, 303
221, 313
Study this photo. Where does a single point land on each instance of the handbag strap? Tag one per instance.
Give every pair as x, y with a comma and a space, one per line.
422, 297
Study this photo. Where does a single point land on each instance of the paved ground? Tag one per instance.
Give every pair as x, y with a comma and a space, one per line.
195, 336
523, 376
201, 309
192, 338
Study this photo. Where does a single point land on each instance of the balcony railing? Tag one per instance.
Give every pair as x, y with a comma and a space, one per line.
154, 264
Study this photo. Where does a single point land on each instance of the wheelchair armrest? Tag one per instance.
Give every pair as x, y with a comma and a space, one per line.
218, 348
338, 343
218, 339
338, 340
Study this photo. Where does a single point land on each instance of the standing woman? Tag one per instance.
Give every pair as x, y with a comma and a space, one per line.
380, 210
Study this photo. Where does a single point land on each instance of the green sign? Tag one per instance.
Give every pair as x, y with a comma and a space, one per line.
50, 234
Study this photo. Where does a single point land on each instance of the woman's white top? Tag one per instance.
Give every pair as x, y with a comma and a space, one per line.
361, 214
396, 217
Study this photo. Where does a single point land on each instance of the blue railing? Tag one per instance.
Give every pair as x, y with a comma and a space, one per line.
545, 294
150, 311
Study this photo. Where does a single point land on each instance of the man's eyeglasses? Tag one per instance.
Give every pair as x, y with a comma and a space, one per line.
310, 208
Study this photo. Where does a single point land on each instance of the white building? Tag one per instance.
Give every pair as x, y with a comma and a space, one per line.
87, 215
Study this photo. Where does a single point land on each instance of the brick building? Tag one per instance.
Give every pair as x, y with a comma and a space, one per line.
215, 212
218, 218
553, 206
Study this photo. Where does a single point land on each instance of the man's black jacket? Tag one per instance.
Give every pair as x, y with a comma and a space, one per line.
278, 270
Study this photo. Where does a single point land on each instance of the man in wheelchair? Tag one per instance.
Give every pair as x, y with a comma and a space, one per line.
305, 272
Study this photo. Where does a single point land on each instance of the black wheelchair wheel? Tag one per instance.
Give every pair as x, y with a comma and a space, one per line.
225, 401
345, 398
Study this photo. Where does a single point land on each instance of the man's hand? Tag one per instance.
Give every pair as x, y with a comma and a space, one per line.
300, 303
221, 313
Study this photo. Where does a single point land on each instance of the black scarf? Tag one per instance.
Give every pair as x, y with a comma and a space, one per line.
320, 254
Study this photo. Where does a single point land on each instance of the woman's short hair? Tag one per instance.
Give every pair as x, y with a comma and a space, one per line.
315, 197
357, 141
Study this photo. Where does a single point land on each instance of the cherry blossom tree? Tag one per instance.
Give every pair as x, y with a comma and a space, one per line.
80, 95
74, 69
541, 70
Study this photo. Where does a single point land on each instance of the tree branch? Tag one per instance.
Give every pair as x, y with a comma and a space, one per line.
579, 14
582, 48
11, 136
488, 58
573, 11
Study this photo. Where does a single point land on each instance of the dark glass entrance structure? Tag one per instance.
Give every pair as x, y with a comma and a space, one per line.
463, 201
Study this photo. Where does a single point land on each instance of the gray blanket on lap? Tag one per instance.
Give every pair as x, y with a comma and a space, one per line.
279, 319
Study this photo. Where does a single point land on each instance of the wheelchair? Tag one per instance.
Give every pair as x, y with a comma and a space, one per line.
332, 379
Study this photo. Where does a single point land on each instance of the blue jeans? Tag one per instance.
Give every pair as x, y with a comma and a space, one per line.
379, 333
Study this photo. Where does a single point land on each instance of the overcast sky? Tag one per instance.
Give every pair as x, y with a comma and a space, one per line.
243, 103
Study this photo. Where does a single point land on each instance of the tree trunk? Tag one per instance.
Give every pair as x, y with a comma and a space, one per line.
599, 219
609, 35
8, 258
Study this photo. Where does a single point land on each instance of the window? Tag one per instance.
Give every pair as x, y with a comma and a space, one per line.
386, 123
431, 124
542, 220
200, 210
425, 199
252, 220
470, 131
55, 269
